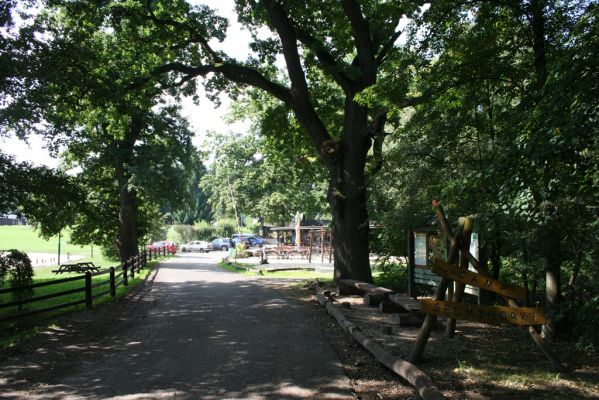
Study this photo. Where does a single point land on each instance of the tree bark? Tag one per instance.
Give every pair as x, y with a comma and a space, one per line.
347, 196
553, 261
460, 287
128, 204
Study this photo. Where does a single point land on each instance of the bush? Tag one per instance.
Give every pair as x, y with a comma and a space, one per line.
16, 266
203, 230
240, 251
181, 233
110, 251
225, 227
394, 275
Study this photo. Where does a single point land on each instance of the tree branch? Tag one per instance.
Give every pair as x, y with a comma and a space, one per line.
377, 132
387, 47
234, 72
363, 39
194, 35
329, 64
300, 94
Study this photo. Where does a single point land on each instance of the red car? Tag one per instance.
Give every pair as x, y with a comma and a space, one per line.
158, 247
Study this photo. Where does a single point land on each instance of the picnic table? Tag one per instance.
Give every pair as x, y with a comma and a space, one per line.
286, 252
77, 267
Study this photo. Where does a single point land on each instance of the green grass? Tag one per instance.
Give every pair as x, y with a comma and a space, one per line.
299, 274
25, 238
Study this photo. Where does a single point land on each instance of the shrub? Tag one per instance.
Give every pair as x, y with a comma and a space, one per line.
203, 230
240, 251
16, 266
110, 251
181, 233
394, 275
225, 227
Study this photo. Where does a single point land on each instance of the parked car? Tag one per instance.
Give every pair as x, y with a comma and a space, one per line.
158, 247
248, 238
222, 244
197, 245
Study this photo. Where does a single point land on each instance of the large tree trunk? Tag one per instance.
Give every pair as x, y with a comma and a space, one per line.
553, 262
128, 245
128, 232
347, 197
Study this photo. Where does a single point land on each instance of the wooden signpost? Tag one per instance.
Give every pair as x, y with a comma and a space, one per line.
456, 310
487, 314
443, 268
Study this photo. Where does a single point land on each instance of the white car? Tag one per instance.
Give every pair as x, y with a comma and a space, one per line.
197, 245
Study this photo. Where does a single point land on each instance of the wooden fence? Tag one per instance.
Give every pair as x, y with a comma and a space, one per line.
92, 290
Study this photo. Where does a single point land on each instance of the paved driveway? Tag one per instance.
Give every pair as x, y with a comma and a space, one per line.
209, 334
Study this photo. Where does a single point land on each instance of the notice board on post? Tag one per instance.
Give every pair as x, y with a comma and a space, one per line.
420, 261
419, 270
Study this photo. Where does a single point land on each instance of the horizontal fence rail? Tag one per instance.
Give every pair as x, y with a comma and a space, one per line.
117, 276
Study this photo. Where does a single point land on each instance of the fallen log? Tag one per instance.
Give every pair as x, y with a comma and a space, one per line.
414, 376
406, 303
387, 307
372, 300
277, 269
354, 286
408, 319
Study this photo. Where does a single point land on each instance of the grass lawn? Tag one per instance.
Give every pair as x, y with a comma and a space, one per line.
254, 270
25, 238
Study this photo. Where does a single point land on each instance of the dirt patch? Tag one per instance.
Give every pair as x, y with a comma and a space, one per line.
480, 362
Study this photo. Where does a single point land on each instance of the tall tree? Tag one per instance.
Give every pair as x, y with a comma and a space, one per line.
76, 64
343, 43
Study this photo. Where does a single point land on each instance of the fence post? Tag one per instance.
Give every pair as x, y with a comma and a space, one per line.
132, 265
125, 278
145, 258
164, 251
112, 283
88, 290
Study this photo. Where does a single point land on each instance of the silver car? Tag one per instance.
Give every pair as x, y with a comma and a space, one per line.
197, 245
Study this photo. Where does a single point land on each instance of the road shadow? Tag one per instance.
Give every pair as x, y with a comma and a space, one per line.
200, 332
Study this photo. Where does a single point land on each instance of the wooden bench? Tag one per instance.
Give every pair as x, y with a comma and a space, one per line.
77, 267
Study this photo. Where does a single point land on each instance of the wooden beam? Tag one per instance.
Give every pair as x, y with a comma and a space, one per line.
443, 268
415, 377
487, 314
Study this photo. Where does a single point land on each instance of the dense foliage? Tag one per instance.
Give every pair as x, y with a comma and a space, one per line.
16, 269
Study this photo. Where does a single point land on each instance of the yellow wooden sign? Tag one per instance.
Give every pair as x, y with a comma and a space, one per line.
443, 268
486, 314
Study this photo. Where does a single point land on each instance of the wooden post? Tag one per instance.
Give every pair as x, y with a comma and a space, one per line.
411, 264
88, 290
330, 246
125, 278
132, 266
145, 258
112, 283
322, 246
458, 293
310, 252
431, 320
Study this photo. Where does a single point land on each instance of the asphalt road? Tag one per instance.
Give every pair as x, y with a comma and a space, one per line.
208, 334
